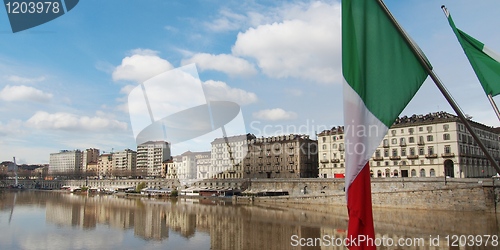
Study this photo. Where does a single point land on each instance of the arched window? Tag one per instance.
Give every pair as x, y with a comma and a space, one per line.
396, 173
324, 146
432, 172
379, 173
422, 172
413, 173
387, 172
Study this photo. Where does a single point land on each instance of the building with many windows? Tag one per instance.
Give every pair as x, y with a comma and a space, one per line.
436, 144
125, 162
150, 157
105, 165
285, 156
65, 162
90, 155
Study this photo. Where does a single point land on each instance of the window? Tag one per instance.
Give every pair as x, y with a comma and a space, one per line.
446, 137
447, 149
324, 156
324, 139
412, 151
411, 139
394, 152
402, 141
420, 140
432, 172
334, 146
422, 172
410, 130
378, 164
387, 163
446, 127
430, 150
324, 146
341, 146
420, 129
396, 173
386, 152
413, 173
393, 132
386, 143
421, 151
429, 129
394, 141
403, 152
402, 131
377, 153
340, 137
430, 138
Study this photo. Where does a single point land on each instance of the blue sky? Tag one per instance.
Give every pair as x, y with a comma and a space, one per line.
64, 84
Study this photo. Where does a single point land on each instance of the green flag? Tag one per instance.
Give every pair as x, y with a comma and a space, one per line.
382, 73
484, 61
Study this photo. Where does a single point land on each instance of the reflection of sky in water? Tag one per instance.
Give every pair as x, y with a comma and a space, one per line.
48, 220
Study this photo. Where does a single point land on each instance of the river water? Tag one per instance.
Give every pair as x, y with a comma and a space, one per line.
55, 220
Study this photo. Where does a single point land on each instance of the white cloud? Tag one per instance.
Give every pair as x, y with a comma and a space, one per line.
226, 21
220, 91
67, 121
141, 65
275, 114
228, 64
23, 93
305, 45
21, 79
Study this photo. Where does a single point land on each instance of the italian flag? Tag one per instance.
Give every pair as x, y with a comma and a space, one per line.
484, 61
381, 75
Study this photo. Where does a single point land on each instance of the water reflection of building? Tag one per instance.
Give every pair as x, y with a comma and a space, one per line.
150, 223
71, 215
250, 227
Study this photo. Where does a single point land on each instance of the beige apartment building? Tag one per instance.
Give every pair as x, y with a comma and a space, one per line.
188, 166
246, 156
105, 165
90, 155
125, 162
65, 162
431, 145
150, 157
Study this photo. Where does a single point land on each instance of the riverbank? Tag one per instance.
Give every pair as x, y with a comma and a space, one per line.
408, 193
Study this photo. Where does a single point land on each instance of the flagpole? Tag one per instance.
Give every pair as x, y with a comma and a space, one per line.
494, 105
440, 86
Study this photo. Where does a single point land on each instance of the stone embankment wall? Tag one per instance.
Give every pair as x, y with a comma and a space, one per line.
412, 193
415, 193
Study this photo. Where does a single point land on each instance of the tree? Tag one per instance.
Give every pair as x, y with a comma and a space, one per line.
140, 186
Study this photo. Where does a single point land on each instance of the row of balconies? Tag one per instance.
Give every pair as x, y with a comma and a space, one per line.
444, 155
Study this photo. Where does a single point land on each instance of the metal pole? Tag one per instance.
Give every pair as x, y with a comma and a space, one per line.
494, 105
440, 86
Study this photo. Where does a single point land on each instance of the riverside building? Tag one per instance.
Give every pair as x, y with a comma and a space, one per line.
65, 162
150, 157
431, 145
246, 156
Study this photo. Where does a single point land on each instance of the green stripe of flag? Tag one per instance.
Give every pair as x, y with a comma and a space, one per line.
487, 68
377, 62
